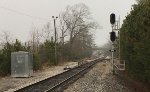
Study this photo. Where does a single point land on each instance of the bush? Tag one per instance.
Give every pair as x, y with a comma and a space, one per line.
135, 42
5, 56
36, 61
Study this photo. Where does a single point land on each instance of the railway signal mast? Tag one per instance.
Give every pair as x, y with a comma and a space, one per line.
112, 37
115, 27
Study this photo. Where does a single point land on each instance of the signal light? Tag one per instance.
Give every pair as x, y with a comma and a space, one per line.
112, 18
112, 36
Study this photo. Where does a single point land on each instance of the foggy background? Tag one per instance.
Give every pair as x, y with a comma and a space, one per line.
19, 16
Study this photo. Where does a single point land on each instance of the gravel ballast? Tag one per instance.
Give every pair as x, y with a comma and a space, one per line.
98, 79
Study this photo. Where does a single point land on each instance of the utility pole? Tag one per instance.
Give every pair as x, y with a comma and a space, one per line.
55, 39
119, 39
117, 28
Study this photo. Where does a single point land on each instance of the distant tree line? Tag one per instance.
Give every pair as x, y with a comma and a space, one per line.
135, 41
74, 40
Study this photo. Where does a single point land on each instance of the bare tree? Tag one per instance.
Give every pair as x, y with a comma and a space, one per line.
76, 18
35, 39
47, 32
5, 38
63, 28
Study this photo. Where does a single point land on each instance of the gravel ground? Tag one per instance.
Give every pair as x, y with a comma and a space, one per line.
98, 79
9, 84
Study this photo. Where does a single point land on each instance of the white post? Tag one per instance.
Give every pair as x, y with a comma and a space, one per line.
113, 59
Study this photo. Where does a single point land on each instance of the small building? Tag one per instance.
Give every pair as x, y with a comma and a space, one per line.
21, 64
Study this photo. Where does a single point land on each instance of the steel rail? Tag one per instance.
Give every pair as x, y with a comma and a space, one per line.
53, 88
60, 79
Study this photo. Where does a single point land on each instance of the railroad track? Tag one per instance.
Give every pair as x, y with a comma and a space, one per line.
59, 82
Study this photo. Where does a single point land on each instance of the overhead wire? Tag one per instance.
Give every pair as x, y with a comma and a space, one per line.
22, 13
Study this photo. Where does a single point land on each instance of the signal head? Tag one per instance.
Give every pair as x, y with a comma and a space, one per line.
112, 18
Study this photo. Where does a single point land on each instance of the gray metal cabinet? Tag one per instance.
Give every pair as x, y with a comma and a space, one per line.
21, 64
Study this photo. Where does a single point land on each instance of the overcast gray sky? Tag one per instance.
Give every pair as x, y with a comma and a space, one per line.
18, 16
